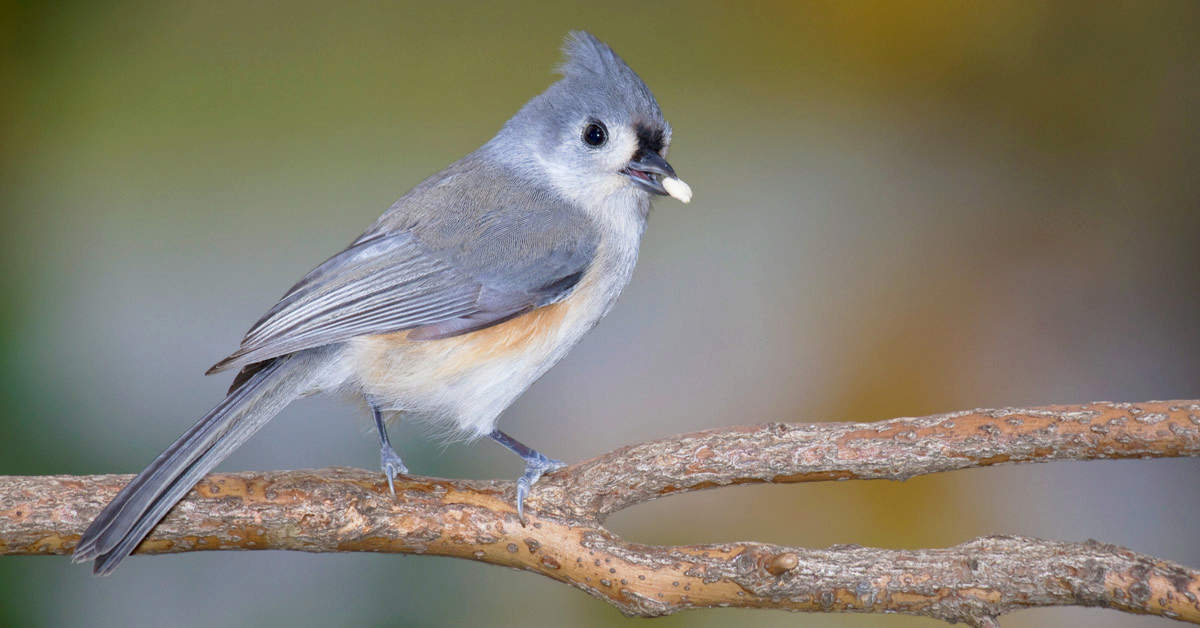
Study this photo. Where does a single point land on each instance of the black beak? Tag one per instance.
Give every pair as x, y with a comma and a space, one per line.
647, 170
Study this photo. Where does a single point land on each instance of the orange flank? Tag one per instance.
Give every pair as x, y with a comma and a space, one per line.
530, 336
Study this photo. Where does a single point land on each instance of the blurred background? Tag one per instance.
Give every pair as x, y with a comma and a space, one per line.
901, 208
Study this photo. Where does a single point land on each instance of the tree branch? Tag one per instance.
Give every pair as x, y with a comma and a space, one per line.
338, 510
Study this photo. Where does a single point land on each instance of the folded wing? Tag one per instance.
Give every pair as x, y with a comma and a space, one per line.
388, 282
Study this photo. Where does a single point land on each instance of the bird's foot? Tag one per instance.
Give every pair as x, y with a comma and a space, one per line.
391, 464
536, 465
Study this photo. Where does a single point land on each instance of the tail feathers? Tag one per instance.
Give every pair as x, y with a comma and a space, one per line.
128, 519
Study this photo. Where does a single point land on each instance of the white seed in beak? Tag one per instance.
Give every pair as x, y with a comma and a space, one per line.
677, 189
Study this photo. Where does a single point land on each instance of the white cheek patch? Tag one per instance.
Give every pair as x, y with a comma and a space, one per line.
677, 189
621, 148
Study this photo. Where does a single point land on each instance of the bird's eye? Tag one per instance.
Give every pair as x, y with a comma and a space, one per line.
594, 134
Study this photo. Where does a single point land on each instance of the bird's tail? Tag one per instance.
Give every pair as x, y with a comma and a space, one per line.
128, 519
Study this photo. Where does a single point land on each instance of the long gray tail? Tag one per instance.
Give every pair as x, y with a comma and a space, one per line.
128, 519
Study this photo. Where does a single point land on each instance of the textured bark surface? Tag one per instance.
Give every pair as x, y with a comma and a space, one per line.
337, 510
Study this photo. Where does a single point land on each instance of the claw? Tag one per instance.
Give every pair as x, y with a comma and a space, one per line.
392, 466
535, 466
389, 460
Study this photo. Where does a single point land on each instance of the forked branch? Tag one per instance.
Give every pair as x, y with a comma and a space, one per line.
338, 510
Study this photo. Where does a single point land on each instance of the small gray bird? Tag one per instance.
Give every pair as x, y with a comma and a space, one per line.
460, 296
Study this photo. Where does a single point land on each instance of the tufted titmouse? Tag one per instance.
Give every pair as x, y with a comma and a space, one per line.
458, 298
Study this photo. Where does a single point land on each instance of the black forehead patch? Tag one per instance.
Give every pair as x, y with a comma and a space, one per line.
649, 139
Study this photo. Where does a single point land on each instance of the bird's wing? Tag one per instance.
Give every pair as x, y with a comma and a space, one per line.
390, 281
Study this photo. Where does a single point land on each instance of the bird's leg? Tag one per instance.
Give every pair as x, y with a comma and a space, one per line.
536, 464
389, 460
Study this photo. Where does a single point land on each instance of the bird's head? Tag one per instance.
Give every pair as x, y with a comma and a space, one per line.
595, 134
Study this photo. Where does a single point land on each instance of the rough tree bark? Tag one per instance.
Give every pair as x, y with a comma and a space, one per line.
340, 510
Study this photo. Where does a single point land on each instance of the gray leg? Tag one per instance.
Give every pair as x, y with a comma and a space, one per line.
389, 460
536, 464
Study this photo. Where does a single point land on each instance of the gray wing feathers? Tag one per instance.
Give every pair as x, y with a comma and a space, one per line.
465, 249
379, 285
